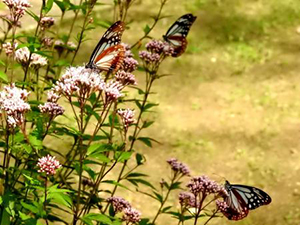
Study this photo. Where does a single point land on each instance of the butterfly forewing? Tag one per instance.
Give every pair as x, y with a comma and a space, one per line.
111, 37
242, 198
176, 34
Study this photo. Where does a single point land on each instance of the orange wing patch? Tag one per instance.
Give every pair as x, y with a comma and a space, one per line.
111, 59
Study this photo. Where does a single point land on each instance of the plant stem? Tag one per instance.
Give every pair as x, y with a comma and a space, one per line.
156, 19
45, 202
164, 201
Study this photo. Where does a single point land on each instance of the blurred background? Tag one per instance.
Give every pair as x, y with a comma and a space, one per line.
230, 107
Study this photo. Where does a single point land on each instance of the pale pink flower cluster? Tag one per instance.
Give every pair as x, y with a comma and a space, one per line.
71, 45
10, 21
125, 78
160, 47
131, 215
204, 185
17, 8
222, 206
79, 81
12, 102
127, 116
119, 203
36, 61
22, 55
179, 167
113, 91
47, 41
129, 63
149, 57
48, 164
52, 96
46, 22
9, 49
52, 109
187, 199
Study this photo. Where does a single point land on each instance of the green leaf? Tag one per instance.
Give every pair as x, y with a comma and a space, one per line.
137, 175
147, 124
140, 159
149, 105
48, 6
99, 147
147, 29
99, 156
3, 76
146, 141
141, 181
123, 156
2, 63
60, 198
31, 208
34, 141
97, 217
158, 196
166, 209
33, 15
24, 216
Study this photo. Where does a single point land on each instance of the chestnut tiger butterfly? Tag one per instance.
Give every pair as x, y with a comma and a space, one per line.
176, 35
242, 198
109, 53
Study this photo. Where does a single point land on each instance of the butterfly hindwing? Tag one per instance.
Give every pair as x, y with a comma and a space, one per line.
176, 34
111, 58
242, 198
111, 38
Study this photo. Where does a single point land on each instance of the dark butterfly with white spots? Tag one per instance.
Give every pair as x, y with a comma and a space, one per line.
176, 35
109, 53
242, 198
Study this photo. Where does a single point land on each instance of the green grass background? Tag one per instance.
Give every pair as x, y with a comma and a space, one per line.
231, 107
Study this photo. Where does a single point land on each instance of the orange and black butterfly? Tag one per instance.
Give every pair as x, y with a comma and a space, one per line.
109, 53
242, 198
176, 35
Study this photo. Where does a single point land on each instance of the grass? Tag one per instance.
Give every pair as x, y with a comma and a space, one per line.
231, 108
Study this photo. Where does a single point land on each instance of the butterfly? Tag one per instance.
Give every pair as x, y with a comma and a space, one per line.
109, 53
242, 198
176, 35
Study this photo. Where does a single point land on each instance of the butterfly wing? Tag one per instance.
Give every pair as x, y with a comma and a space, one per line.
179, 44
242, 198
176, 34
110, 59
110, 38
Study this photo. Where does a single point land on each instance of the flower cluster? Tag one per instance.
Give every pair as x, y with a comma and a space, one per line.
160, 47
222, 206
119, 203
52, 109
187, 199
12, 102
22, 56
48, 164
131, 215
149, 57
129, 63
79, 81
204, 185
127, 116
125, 78
17, 8
36, 60
113, 91
178, 167
46, 22
9, 49
47, 41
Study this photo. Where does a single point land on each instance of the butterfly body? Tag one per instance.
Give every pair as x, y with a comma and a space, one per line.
242, 198
176, 34
109, 53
